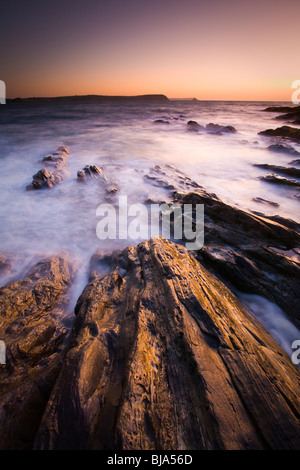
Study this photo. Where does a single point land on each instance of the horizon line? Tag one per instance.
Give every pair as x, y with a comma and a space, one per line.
146, 95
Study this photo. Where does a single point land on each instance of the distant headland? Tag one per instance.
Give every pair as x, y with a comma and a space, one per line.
75, 98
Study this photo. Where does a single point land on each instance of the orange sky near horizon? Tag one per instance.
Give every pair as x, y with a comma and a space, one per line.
229, 50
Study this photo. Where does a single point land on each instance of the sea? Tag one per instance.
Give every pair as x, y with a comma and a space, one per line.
123, 139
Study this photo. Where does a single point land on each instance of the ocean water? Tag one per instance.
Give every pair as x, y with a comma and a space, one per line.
123, 139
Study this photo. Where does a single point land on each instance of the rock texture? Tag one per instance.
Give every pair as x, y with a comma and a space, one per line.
265, 201
218, 129
289, 171
31, 327
163, 356
46, 178
278, 148
57, 159
291, 113
90, 171
288, 132
274, 178
247, 250
194, 126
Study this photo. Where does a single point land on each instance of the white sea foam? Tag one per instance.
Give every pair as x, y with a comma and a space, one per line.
124, 140
273, 319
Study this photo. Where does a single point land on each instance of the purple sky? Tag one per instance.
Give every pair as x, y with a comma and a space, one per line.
189, 48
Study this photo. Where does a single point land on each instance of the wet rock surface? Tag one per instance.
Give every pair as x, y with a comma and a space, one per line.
210, 128
265, 201
287, 132
274, 178
34, 335
164, 356
290, 171
216, 128
194, 126
92, 171
291, 113
279, 148
46, 178
161, 121
59, 158
240, 248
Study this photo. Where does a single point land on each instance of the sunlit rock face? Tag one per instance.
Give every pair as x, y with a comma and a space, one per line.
163, 356
32, 327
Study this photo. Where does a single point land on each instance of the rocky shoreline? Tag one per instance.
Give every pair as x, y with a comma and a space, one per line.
162, 354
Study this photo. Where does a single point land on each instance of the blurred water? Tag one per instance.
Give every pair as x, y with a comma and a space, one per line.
123, 138
273, 319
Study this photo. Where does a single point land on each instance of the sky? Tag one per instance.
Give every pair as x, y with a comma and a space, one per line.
213, 49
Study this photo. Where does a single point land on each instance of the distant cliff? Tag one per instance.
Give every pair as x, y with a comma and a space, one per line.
88, 98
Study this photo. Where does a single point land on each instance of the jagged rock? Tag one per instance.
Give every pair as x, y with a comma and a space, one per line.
33, 332
111, 189
5, 264
292, 113
281, 220
44, 179
170, 178
285, 131
278, 148
57, 159
265, 201
273, 178
280, 169
90, 171
237, 248
164, 356
216, 128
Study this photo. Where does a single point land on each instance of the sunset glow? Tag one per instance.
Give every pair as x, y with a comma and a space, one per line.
210, 50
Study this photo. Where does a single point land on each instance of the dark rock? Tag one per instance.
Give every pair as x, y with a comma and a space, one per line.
44, 179
283, 109
170, 178
265, 201
5, 264
290, 171
161, 121
31, 327
111, 189
248, 238
90, 171
295, 162
278, 148
281, 220
273, 178
294, 118
216, 128
164, 356
194, 126
58, 158
285, 131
